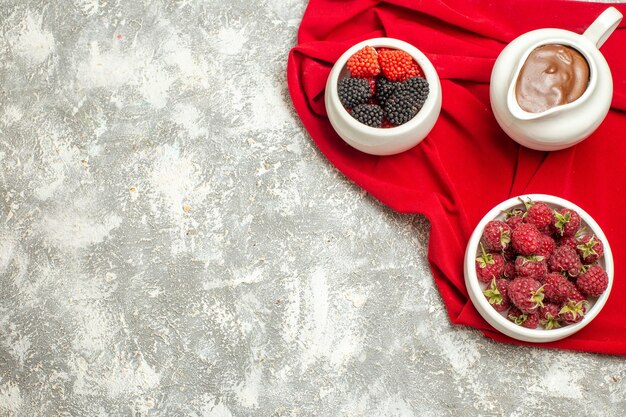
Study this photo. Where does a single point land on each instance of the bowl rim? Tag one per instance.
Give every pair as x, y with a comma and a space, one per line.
430, 73
496, 319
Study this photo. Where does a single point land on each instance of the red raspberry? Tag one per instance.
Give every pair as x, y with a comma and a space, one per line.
497, 294
573, 311
565, 259
559, 289
514, 218
489, 266
530, 321
593, 282
526, 239
546, 246
571, 241
567, 222
509, 270
531, 267
395, 64
414, 71
497, 235
539, 214
549, 316
364, 63
590, 249
526, 294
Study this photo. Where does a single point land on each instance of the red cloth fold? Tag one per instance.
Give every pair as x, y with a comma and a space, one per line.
467, 164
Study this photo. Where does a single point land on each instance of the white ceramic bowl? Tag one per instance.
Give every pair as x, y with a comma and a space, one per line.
499, 321
383, 141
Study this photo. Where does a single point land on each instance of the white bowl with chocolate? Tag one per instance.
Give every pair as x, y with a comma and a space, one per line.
552, 88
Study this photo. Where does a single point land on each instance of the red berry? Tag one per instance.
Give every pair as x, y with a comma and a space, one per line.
489, 266
549, 316
593, 282
573, 311
571, 241
531, 267
590, 249
526, 239
497, 235
414, 71
509, 270
565, 259
530, 321
539, 214
546, 246
364, 63
514, 218
526, 294
567, 222
497, 294
395, 64
559, 289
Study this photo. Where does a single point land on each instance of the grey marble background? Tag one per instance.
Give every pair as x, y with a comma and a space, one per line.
172, 243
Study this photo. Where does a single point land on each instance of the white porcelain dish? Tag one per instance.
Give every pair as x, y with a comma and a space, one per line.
383, 141
561, 126
498, 320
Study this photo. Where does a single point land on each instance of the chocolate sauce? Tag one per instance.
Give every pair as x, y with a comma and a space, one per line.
551, 76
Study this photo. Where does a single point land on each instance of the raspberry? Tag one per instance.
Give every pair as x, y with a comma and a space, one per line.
353, 91
489, 265
368, 114
565, 259
395, 65
384, 89
546, 246
497, 235
530, 321
567, 222
593, 282
364, 63
571, 241
549, 316
559, 289
526, 294
590, 249
414, 71
514, 217
538, 213
497, 294
526, 239
573, 311
509, 270
531, 267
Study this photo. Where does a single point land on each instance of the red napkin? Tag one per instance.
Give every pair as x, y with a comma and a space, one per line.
467, 164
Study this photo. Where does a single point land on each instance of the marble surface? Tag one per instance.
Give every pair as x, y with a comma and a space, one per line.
173, 244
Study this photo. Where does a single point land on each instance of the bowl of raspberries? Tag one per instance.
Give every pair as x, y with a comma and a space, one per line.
383, 96
538, 268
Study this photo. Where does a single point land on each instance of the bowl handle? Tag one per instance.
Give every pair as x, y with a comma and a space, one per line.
603, 26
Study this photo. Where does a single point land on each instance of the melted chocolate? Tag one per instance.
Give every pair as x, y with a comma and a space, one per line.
552, 75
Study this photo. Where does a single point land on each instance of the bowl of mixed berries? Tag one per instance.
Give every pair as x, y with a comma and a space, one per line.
383, 96
538, 268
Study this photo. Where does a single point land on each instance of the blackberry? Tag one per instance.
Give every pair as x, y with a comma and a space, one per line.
384, 89
353, 91
419, 86
407, 99
368, 114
